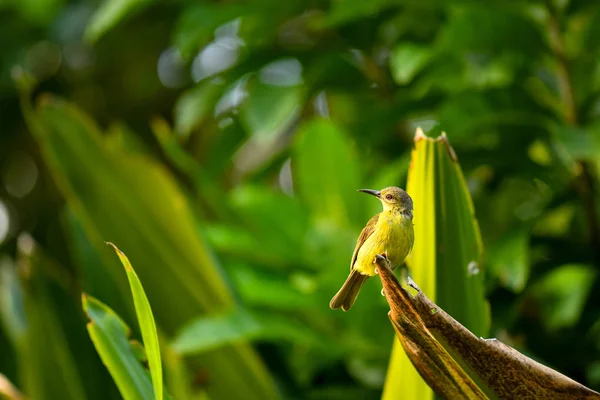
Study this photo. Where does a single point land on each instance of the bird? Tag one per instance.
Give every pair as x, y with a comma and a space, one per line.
389, 233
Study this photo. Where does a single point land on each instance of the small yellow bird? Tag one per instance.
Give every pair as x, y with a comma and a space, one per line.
390, 233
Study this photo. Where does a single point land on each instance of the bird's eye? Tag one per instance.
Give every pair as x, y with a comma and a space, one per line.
389, 196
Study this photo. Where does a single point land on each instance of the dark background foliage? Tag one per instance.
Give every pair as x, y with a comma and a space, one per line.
515, 84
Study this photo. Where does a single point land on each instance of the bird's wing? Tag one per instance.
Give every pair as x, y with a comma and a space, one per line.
364, 235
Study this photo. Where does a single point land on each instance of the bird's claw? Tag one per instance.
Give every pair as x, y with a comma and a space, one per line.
377, 256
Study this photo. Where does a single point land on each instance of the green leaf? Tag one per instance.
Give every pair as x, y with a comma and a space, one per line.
109, 14
207, 333
133, 201
12, 317
54, 344
110, 336
562, 293
575, 143
206, 188
269, 110
100, 272
508, 259
326, 171
445, 260
491, 30
198, 22
346, 11
261, 211
147, 325
406, 60
193, 106
262, 289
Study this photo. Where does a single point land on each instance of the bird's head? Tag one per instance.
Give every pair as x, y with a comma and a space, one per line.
393, 198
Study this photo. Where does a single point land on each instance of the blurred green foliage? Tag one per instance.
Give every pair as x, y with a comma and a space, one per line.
220, 146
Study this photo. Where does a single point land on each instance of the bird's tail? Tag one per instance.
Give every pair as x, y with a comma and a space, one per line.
349, 291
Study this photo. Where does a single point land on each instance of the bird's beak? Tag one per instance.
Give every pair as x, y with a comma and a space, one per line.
375, 193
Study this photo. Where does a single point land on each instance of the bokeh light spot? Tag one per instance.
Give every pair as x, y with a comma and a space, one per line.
20, 174
4, 222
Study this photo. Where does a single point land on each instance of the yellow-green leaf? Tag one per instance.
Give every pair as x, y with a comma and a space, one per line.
445, 260
131, 200
147, 325
109, 14
110, 336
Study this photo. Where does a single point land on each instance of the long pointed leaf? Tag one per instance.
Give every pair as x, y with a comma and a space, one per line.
133, 201
110, 336
446, 255
147, 325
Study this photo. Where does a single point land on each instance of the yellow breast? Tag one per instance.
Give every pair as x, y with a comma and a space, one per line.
393, 235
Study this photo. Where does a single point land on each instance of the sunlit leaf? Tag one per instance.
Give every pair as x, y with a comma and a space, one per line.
260, 288
208, 333
560, 304
326, 171
269, 109
52, 345
194, 106
147, 325
573, 143
133, 201
508, 259
446, 257
14, 322
109, 14
100, 271
344, 12
206, 187
198, 22
406, 60
110, 336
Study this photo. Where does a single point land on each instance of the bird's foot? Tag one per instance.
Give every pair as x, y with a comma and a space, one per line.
382, 292
384, 255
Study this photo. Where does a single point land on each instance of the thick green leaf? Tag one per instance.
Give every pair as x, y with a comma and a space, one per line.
197, 24
406, 60
445, 260
560, 305
208, 333
147, 325
131, 200
194, 106
326, 171
179, 378
263, 289
269, 109
100, 272
109, 14
53, 345
205, 187
12, 317
344, 12
110, 336
508, 259
573, 143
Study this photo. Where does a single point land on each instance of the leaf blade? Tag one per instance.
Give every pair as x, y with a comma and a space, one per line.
146, 322
109, 335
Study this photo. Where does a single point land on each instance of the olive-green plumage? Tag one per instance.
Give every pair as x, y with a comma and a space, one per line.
390, 232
